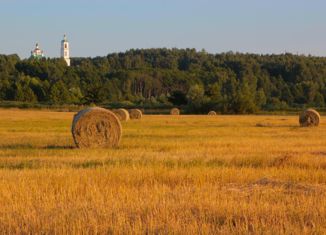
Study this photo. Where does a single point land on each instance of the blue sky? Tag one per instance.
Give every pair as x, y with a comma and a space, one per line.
99, 27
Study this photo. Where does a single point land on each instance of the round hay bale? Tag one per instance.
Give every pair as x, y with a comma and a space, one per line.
175, 111
135, 114
122, 114
309, 117
96, 128
212, 113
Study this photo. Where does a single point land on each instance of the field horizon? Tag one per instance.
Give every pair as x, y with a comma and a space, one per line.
195, 174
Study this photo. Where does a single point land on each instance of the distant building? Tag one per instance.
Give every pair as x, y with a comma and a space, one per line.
37, 53
65, 50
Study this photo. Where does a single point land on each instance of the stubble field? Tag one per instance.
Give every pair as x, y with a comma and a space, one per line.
170, 175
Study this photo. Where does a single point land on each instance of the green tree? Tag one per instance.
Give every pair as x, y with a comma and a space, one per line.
196, 98
245, 100
260, 98
59, 94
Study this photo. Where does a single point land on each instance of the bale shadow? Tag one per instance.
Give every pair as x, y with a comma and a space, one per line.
58, 147
267, 124
30, 146
17, 146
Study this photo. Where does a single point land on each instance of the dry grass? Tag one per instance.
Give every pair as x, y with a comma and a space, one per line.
170, 175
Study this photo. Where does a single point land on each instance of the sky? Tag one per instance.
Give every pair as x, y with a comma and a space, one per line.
99, 27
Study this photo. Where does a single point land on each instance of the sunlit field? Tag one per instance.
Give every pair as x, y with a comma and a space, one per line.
170, 175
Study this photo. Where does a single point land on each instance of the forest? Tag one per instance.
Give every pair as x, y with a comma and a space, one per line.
196, 81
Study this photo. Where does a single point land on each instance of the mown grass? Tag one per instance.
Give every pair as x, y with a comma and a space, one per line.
170, 175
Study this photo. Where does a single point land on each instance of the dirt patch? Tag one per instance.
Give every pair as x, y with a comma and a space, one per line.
288, 186
265, 184
281, 161
320, 154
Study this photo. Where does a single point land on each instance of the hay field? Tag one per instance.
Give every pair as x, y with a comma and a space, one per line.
170, 175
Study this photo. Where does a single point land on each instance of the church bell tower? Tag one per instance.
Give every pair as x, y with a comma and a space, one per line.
65, 50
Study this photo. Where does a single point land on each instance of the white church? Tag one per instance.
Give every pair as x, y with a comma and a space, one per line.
65, 52
37, 53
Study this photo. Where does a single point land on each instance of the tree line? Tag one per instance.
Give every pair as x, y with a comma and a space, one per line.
196, 80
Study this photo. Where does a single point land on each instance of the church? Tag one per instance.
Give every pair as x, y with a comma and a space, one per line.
37, 53
65, 52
